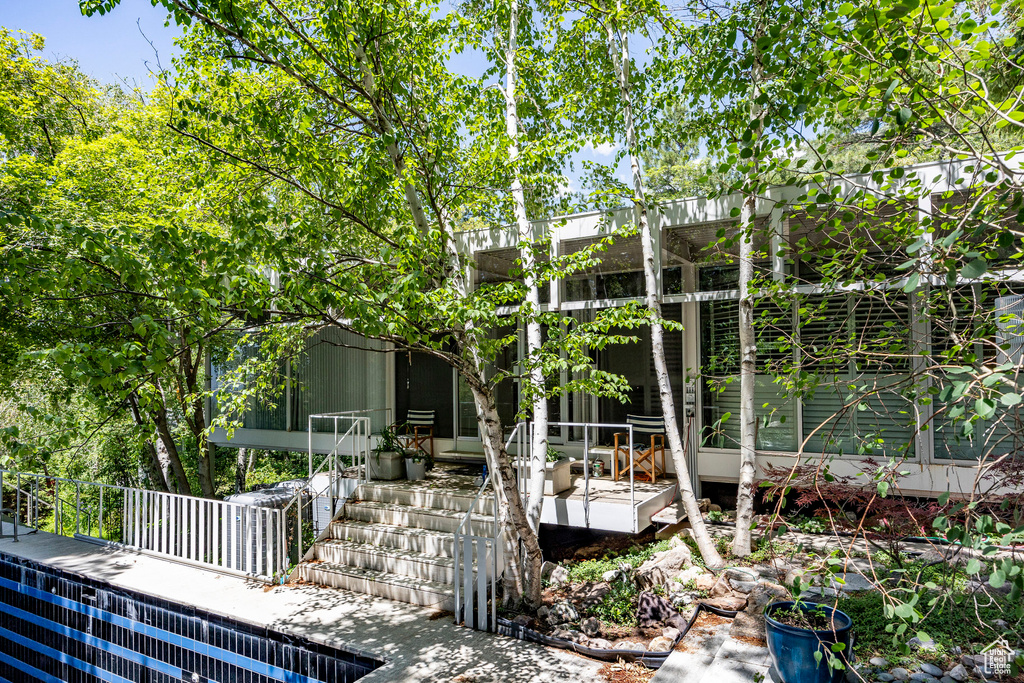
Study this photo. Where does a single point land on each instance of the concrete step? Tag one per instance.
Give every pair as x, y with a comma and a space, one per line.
383, 584
432, 519
411, 493
391, 560
437, 543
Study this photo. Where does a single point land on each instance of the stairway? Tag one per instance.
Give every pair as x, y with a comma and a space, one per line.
395, 540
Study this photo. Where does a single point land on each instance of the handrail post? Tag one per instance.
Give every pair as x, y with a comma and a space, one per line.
586, 477
632, 488
99, 523
78, 508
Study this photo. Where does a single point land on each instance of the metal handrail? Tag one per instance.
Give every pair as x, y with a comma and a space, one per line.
359, 430
187, 529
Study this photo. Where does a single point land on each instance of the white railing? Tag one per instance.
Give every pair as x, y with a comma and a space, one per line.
230, 537
524, 454
472, 588
354, 442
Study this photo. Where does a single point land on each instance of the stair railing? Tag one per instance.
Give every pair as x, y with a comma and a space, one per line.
471, 592
358, 434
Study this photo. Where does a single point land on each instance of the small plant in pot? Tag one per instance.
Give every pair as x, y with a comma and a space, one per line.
416, 463
387, 460
808, 642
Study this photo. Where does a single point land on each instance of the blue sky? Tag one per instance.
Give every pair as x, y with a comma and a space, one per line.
110, 48
116, 47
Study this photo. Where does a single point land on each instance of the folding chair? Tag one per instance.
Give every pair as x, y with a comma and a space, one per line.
419, 430
644, 457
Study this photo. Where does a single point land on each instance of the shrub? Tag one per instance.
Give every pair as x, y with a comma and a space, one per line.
592, 570
618, 606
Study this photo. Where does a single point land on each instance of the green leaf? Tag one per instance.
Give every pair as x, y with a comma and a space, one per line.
974, 269
973, 566
883, 488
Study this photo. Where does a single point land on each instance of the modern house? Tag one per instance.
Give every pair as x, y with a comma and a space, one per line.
701, 293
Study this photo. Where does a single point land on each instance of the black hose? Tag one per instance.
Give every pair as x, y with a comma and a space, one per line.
652, 660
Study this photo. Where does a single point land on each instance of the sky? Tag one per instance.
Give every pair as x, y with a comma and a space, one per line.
125, 46
112, 48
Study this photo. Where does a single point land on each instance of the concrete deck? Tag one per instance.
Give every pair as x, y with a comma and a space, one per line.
415, 647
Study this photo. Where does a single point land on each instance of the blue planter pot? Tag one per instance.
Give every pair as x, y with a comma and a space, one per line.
792, 649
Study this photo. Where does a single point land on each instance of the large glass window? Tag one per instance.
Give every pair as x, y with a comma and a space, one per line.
502, 265
616, 274
720, 366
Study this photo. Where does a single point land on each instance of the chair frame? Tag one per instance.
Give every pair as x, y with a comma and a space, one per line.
644, 458
419, 437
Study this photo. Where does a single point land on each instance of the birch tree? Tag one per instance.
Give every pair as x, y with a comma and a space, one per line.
613, 24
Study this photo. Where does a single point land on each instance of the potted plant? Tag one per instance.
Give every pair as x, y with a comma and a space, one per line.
386, 461
416, 462
556, 472
808, 642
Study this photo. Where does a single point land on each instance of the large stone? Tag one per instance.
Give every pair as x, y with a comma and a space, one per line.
664, 565
745, 587
958, 673
562, 612
899, 673
543, 612
671, 633
524, 621
598, 644
689, 574
704, 582
885, 677
922, 677
568, 634
704, 504
728, 603
880, 662
591, 626
589, 593
931, 669
629, 645
764, 594
660, 644
851, 582
918, 644
653, 610
611, 575
553, 573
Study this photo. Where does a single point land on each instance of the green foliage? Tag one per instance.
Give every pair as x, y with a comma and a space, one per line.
592, 570
618, 606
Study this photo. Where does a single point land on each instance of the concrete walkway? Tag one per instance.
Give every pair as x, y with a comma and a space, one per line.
709, 654
415, 647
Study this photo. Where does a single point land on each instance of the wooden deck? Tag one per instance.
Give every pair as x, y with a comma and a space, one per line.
608, 507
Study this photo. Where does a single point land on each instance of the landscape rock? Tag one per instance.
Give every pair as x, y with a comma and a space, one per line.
792, 575
899, 673
958, 673
661, 644
852, 583
671, 633
918, 644
704, 582
947, 679
568, 634
704, 504
764, 594
591, 626
663, 565
599, 644
589, 593
922, 677
728, 603
721, 588
1001, 624
524, 621
745, 587
689, 574
885, 677
931, 669
553, 573
880, 662
714, 508
653, 610
562, 612
629, 645
543, 612
611, 575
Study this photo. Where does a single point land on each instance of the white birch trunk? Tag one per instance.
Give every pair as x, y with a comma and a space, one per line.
747, 338
539, 433
618, 49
